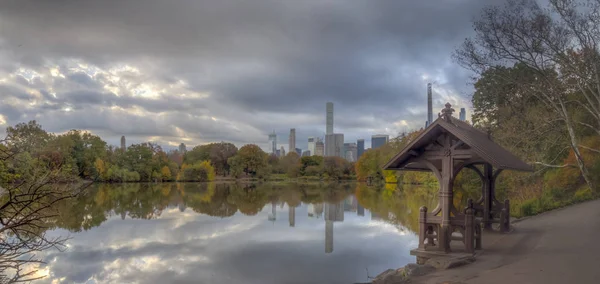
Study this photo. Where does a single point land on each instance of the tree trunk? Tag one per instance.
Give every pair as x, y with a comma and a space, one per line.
574, 143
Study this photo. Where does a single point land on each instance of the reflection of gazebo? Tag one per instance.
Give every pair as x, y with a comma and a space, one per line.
446, 147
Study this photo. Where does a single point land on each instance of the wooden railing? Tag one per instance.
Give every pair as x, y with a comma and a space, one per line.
466, 224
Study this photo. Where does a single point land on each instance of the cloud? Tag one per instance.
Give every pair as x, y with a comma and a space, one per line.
166, 70
185, 247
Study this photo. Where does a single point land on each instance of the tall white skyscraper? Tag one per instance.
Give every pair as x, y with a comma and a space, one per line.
334, 145
292, 146
312, 145
273, 141
429, 105
463, 114
329, 120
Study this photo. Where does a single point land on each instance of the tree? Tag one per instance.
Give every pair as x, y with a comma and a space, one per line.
291, 164
166, 173
219, 156
200, 171
316, 162
27, 137
198, 153
27, 208
559, 45
251, 160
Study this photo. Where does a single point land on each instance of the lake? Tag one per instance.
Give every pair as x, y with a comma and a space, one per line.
235, 233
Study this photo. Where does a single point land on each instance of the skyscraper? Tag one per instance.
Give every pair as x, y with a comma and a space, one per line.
282, 152
312, 145
463, 114
299, 151
334, 212
273, 140
123, 146
329, 119
292, 215
360, 148
429, 105
182, 148
334, 145
319, 148
379, 140
350, 152
292, 145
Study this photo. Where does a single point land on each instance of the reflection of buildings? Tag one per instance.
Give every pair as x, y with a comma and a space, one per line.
328, 236
360, 211
273, 215
333, 213
350, 204
292, 215
375, 217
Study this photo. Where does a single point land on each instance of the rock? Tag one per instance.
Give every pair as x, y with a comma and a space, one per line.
447, 263
402, 275
413, 269
391, 276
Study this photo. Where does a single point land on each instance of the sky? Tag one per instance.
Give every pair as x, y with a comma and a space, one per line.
186, 247
197, 71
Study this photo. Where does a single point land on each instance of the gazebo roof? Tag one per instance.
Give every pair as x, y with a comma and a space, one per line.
485, 150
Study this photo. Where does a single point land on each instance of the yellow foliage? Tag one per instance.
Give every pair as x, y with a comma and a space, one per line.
166, 173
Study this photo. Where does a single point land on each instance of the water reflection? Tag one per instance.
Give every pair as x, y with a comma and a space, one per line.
234, 233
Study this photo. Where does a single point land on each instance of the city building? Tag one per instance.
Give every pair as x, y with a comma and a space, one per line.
273, 141
334, 212
306, 153
123, 145
298, 151
292, 145
379, 140
319, 148
463, 114
360, 148
350, 152
292, 215
278, 153
329, 118
312, 145
273, 215
429, 105
315, 210
282, 152
182, 148
334, 145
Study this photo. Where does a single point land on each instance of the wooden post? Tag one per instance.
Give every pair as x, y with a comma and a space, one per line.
444, 234
506, 223
469, 227
422, 226
487, 196
477, 236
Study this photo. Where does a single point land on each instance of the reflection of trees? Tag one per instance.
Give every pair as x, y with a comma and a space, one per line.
399, 206
147, 201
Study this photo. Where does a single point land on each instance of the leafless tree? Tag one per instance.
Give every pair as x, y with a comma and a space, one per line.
27, 211
559, 43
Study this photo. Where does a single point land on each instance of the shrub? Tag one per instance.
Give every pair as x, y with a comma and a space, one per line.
200, 171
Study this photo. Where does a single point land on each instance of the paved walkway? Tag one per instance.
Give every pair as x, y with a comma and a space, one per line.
561, 246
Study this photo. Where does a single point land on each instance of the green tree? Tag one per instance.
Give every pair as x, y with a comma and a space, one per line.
219, 156
251, 160
291, 164
27, 137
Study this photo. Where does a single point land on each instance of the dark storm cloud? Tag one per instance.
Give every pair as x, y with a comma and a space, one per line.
253, 57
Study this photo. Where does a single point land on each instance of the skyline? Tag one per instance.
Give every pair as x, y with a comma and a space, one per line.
189, 74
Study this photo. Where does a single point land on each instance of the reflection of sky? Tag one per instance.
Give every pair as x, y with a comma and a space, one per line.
186, 247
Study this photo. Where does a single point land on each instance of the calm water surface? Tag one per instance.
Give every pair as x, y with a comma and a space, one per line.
231, 233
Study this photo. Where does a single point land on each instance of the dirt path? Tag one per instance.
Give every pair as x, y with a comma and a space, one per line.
561, 246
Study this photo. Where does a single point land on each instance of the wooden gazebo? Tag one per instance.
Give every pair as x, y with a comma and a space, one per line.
446, 147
